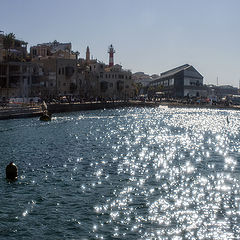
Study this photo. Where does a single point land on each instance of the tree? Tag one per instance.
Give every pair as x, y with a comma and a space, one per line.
138, 86
8, 42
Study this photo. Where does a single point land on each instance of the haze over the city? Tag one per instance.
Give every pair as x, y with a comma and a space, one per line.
149, 36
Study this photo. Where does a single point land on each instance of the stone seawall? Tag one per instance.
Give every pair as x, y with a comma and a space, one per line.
13, 112
66, 107
26, 112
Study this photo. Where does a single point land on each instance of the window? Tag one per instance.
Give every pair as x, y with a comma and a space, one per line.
171, 82
104, 86
69, 71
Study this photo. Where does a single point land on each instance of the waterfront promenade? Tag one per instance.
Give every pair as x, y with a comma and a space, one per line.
25, 111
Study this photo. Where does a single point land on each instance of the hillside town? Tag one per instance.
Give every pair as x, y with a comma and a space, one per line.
54, 72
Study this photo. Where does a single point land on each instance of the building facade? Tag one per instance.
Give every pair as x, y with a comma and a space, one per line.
53, 49
58, 77
17, 79
183, 81
1, 47
113, 82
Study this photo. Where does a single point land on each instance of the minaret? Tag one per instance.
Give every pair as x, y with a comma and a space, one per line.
111, 52
88, 55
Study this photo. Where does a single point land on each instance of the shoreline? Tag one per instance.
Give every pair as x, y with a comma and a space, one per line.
12, 112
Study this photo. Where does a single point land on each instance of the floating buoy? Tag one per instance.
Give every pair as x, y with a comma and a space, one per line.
11, 171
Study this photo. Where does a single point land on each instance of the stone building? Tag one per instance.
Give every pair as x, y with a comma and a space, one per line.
107, 81
17, 79
112, 82
1, 46
16, 52
53, 49
222, 91
59, 65
17, 74
59, 77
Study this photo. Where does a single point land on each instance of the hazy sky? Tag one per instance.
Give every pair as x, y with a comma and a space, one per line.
151, 36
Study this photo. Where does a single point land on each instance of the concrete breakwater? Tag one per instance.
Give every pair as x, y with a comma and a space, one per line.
65, 107
25, 112
13, 112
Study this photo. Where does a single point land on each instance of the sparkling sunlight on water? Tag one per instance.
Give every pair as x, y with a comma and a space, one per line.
133, 173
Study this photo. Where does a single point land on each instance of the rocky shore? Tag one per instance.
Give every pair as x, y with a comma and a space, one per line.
13, 112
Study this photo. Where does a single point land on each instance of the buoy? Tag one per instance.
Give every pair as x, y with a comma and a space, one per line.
11, 171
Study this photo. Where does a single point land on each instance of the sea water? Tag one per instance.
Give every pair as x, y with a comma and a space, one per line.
130, 173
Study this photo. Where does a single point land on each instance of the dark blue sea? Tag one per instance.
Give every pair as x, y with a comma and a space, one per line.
130, 173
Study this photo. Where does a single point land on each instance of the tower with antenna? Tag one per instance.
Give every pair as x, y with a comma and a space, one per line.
111, 52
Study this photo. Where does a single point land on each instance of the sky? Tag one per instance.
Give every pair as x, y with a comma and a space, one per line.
150, 36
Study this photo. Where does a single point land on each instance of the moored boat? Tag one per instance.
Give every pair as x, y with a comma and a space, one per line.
45, 117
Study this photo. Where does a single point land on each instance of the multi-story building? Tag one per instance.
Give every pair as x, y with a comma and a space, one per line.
17, 51
222, 91
59, 64
180, 82
16, 73
53, 49
109, 81
17, 79
143, 78
59, 77
113, 82
1, 46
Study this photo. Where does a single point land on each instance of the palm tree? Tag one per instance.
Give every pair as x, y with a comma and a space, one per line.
8, 43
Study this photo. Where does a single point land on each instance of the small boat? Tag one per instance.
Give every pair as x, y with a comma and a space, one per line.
45, 117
